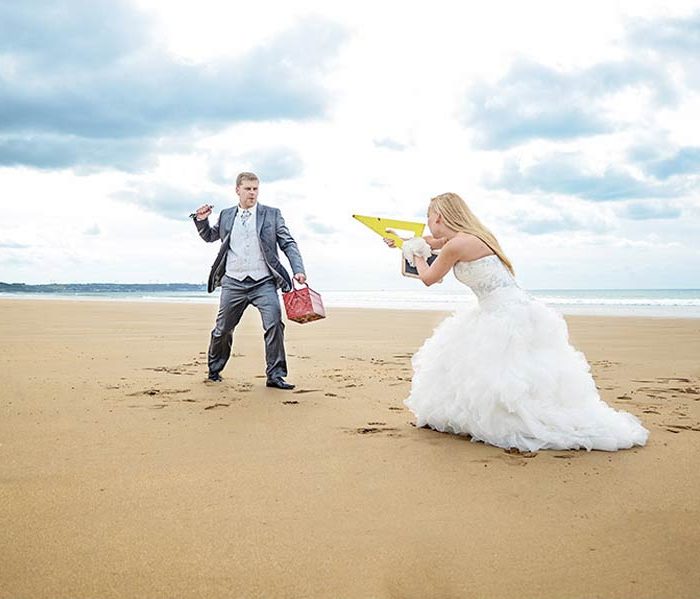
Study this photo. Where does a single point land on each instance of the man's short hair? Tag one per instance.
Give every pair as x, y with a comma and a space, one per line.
247, 177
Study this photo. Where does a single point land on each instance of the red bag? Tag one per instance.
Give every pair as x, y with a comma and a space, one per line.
303, 305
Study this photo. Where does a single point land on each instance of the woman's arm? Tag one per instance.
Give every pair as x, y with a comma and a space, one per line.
435, 243
456, 249
434, 273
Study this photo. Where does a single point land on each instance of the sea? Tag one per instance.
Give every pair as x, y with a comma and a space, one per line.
659, 303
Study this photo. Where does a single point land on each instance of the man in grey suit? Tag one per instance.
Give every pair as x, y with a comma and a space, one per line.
249, 271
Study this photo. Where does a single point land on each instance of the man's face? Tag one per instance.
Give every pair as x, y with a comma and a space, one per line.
247, 193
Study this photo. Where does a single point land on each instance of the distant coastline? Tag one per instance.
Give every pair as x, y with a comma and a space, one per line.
80, 288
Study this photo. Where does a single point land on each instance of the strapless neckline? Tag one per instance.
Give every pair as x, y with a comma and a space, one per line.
467, 262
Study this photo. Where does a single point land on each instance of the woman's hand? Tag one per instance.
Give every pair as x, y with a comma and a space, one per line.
392, 242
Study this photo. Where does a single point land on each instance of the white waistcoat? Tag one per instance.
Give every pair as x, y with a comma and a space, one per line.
245, 257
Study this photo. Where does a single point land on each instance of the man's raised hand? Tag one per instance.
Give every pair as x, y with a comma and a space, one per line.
203, 212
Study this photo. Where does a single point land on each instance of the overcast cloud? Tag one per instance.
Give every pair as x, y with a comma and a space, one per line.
575, 136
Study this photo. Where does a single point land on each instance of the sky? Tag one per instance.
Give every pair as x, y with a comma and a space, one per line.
570, 128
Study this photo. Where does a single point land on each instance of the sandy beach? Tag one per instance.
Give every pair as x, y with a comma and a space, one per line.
124, 474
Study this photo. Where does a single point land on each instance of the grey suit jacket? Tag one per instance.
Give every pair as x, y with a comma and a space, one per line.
272, 232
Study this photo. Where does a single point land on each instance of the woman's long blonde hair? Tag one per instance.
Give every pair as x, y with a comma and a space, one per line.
457, 216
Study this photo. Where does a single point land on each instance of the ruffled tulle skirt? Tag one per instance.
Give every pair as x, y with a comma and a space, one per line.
505, 374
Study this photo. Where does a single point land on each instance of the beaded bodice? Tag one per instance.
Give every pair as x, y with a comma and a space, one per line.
484, 276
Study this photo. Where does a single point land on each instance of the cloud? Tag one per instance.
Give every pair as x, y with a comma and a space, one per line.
533, 101
168, 201
94, 230
684, 161
52, 35
676, 39
318, 226
650, 211
51, 151
12, 245
270, 164
220, 172
560, 217
390, 144
564, 174
88, 74
275, 164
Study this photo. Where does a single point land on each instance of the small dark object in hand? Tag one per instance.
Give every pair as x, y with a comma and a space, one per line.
194, 214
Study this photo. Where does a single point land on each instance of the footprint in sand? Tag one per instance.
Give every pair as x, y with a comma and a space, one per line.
380, 362
515, 457
216, 405
374, 428
290, 402
145, 392
604, 363
156, 391
170, 370
522, 454
368, 430
686, 390
677, 428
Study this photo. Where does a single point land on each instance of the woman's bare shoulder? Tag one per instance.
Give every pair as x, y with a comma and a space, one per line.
468, 246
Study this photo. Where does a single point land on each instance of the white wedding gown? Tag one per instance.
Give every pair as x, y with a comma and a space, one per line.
505, 374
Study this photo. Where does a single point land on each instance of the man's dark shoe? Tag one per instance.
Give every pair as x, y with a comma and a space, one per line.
214, 377
279, 383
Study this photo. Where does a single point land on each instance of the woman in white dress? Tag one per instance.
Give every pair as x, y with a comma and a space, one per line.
504, 372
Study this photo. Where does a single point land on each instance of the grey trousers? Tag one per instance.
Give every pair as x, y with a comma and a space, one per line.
236, 296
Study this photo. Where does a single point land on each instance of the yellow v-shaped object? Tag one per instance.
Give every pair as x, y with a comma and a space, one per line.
380, 225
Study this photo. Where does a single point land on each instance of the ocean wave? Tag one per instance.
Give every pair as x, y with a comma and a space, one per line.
606, 301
